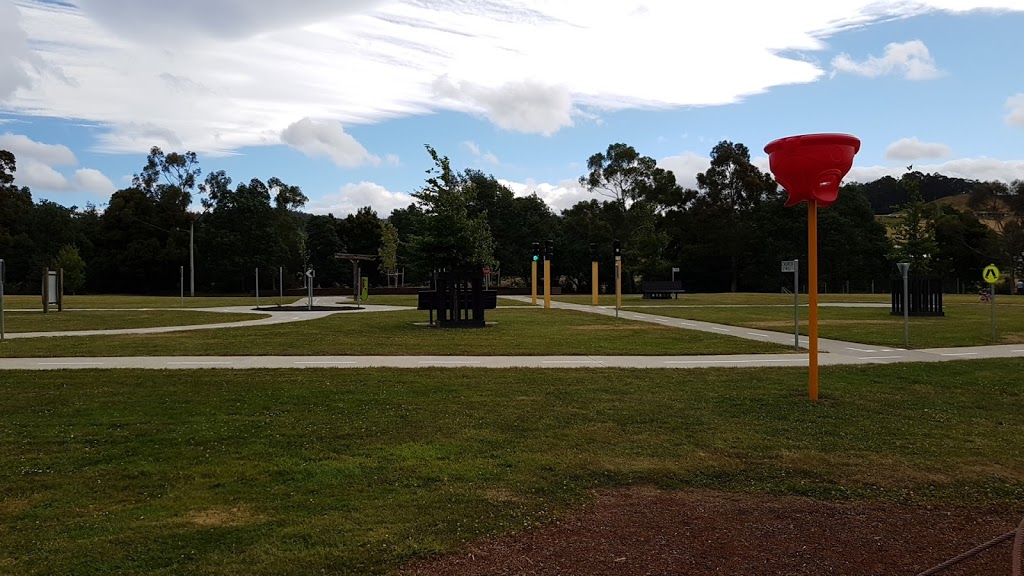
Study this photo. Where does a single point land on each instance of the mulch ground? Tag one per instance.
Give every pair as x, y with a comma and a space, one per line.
650, 532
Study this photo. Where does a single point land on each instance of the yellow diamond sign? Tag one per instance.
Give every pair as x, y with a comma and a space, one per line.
990, 274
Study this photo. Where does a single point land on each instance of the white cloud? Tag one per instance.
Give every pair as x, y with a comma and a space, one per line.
1015, 104
914, 149
94, 181
36, 161
970, 168
686, 166
217, 75
527, 106
352, 197
24, 147
14, 51
560, 196
37, 175
327, 138
192, 20
909, 59
487, 157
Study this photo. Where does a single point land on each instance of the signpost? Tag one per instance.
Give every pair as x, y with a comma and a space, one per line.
991, 275
310, 274
794, 267
487, 277
257, 287
674, 270
904, 271
3, 278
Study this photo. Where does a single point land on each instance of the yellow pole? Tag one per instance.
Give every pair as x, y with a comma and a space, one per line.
618, 283
547, 284
812, 296
533, 286
593, 282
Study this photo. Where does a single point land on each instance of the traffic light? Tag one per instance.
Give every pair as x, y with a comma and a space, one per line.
549, 249
535, 247
617, 249
593, 251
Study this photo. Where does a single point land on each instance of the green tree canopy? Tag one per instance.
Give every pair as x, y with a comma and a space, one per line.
450, 237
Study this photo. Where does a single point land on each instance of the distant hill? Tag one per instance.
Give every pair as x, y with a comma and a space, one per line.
886, 195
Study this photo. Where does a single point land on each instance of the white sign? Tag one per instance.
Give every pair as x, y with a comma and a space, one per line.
51, 292
789, 265
310, 273
674, 269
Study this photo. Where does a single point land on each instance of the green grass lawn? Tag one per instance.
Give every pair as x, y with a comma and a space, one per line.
963, 324
515, 331
412, 300
314, 471
755, 299
121, 301
112, 319
716, 299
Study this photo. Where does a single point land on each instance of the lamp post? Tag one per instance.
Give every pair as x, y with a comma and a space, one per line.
192, 255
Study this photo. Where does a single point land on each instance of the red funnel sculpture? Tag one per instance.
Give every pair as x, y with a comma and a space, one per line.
811, 167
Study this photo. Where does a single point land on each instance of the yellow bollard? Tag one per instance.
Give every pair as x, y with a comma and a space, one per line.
547, 284
593, 282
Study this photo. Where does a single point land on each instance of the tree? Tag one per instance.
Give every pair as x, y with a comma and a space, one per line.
322, 243
411, 223
964, 245
173, 176
450, 237
239, 233
70, 261
625, 176
914, 233
514, 222
8, 166
640, 191
1003, 206
732, 191
388, 251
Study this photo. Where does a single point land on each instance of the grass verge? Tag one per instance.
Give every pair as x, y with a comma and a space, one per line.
514, 332
963, 324
115, 319
412, 300
357, 471
124, 301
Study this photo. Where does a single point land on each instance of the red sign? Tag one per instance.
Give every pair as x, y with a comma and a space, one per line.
487, 270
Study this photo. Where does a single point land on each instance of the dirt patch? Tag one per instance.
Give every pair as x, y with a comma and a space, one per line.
646, 531
1012, 338
217, 517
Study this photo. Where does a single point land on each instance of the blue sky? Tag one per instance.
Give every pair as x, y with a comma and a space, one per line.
340, 97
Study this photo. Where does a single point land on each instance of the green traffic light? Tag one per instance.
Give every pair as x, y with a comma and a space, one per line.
535, 258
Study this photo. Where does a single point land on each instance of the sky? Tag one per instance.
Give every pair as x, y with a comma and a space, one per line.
339, 97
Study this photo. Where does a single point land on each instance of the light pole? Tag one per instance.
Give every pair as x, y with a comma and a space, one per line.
192, 255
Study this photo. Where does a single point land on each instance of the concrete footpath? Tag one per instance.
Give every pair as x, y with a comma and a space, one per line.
833, 352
